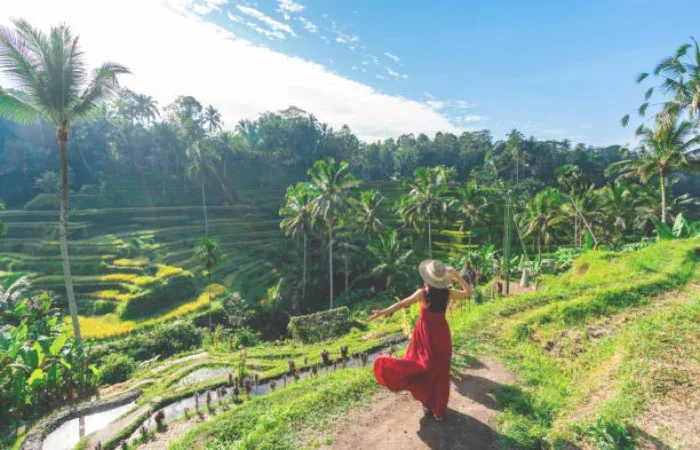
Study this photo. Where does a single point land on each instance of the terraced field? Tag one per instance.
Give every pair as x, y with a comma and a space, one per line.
136, 265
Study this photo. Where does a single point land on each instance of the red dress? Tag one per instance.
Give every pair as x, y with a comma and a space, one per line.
424, 370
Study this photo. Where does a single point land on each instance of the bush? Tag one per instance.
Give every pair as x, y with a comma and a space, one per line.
116, 368
321, 326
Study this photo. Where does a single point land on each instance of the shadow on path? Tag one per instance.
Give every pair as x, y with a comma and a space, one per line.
457, 431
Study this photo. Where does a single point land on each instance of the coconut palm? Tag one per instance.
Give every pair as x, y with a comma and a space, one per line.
471, 205
297, 216
662, 152
390, 259
617, 207
542, 215
333, 184
146, 108
212, 119
426, 200
208, 256
53, 84
680, 77
367, 209
202, 158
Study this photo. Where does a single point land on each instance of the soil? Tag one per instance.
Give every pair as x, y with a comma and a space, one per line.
396, 421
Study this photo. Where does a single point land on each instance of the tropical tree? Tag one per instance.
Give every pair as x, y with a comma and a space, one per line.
661, 153
390, 259
617, 207
297, 219
201, 164
680, 78
542, 215
427, 199
367, 210
52, 83
146, 108
332, 184
208, 256
212, 119
471, 207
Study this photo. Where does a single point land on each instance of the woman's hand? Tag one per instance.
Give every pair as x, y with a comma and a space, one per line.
375, 314
451, 271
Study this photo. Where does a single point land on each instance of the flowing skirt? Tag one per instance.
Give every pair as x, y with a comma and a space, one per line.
424, 371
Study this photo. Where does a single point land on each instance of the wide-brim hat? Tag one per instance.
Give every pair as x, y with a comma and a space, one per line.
434, 273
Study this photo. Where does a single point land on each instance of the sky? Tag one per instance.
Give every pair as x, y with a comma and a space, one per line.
552, 69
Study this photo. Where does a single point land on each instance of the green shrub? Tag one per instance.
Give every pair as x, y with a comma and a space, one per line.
478, 295
116, 368
610, 435
321, 326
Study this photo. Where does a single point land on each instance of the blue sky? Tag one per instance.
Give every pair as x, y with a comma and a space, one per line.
553, 69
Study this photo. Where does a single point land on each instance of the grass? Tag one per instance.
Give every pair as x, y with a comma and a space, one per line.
126, 262
277, 420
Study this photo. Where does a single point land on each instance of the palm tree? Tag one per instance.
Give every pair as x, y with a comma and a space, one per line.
297, 216
201, 164
53, 84
146, 108
471, 206
662, 152
333, 184
208, 256
390, 259
426, 199
367, 209
212, 119
617, 206
543, 213
680, 77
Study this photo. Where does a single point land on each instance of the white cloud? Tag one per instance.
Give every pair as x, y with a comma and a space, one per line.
354, 67
380, 77
290, 6
270, 34
203, 7
269, 21
404, 76
309, 25
472, 118
393, 73
234, 18
272, 81
345, 38
395, 58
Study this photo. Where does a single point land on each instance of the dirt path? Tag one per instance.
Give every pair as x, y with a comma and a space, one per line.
396, 421
115, 427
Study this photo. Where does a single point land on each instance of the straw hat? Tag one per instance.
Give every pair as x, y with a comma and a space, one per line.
435, 274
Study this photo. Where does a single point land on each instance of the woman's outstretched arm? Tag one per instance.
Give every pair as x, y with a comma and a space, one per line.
466, 291
405, 303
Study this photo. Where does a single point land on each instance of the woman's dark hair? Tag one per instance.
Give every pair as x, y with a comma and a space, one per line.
437, 298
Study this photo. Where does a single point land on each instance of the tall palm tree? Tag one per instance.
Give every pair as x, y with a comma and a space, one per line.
201, 157
53, 83
617, 206
426, 199
297, 216
542, 215
389, 258
471, 206
662, 152
212, 119
146, 108
367, 209
680, 77
333, 184
208, 256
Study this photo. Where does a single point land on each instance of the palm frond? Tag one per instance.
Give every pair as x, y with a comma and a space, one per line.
16, 109
103, 85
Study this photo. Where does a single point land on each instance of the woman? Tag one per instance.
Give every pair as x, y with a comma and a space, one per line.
425, 369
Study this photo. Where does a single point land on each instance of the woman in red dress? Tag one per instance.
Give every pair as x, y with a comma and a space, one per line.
424, 370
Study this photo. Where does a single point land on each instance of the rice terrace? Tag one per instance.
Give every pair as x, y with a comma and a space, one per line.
191, 258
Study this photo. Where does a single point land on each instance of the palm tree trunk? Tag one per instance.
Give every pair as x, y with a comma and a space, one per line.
330, 260
539, 245
430, 240
347, 271
209, 297
63, 239
303, 283
662, 181
204, 205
